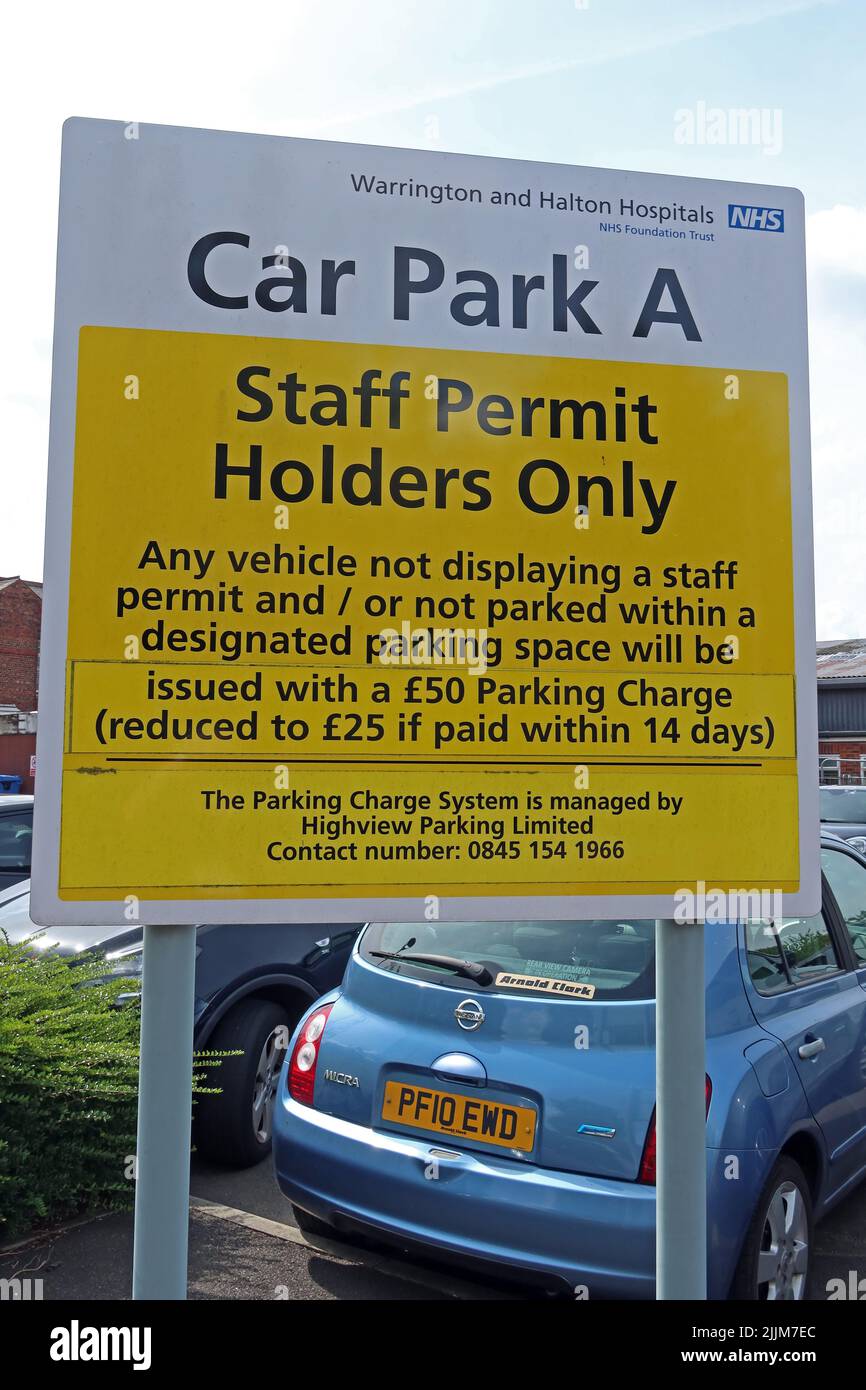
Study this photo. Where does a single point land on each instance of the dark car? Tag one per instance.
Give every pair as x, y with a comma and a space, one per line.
16, 835
252, 984
843, 812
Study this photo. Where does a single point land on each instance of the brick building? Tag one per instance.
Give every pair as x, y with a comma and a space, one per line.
842, 711
20, 621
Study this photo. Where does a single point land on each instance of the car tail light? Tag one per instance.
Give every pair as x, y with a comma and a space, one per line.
305, 1056
647, 1171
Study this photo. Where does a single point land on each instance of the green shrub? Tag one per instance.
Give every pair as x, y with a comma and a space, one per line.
68, 1088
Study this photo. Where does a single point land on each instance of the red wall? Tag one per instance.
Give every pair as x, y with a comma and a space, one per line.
849, 750
20, 619
15, 751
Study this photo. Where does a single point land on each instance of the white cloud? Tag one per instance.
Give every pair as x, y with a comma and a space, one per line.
837, 240
610, 45
837, 350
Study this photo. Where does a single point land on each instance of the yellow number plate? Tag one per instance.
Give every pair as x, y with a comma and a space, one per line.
464, 1117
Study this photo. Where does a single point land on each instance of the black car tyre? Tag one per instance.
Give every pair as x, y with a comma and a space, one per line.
312, 1226
235, 1127
774, 1263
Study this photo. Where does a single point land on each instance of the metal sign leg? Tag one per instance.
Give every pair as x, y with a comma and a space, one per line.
164, 1114
681, 1129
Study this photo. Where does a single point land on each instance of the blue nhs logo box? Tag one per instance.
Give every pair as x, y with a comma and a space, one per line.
756, 219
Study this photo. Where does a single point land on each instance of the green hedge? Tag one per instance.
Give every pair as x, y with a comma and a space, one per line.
68, 1089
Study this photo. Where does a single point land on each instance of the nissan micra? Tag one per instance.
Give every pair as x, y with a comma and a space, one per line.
484, 1092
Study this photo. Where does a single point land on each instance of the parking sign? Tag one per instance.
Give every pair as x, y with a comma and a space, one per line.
428, 535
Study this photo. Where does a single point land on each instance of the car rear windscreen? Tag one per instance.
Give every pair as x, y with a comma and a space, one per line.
16, 836
841, 804
579, 960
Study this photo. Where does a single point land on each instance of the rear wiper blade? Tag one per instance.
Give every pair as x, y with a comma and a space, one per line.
469, 969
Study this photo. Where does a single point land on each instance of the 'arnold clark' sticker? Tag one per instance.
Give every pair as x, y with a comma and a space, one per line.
573, 988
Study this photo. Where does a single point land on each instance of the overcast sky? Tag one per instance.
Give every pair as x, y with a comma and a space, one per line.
577, 81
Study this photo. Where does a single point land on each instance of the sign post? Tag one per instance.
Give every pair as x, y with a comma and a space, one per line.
681, 1144
164, 1114
429, 537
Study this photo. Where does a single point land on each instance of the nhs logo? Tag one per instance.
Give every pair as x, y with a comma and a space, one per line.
756, 219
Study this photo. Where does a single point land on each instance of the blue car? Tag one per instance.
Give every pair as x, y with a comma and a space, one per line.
484, 1092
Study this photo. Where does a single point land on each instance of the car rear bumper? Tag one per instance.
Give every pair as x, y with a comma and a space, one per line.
592, 1234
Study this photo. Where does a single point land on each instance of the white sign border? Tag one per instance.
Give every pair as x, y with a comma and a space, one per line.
48, 909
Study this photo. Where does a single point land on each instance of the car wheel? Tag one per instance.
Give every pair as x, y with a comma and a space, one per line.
775, 1259
312, 1226
235, 1126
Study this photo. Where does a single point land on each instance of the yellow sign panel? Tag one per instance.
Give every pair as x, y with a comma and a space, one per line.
353, 620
